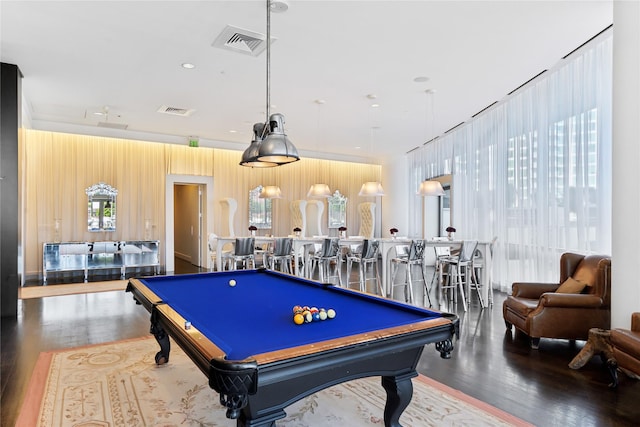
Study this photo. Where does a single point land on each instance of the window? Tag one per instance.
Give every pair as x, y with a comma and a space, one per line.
259, 210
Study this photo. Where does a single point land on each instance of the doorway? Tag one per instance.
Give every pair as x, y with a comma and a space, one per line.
187, 226
205, 186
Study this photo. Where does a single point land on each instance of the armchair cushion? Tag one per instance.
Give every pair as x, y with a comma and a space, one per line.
586, 271
571, 286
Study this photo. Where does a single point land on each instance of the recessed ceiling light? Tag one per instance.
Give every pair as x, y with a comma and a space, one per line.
233, 131
375, 105
421, 79
188, 65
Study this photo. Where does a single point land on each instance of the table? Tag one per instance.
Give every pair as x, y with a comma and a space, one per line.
387, 244
598, 342
244, 340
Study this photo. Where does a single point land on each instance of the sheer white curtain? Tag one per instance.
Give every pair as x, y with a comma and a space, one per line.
534, 170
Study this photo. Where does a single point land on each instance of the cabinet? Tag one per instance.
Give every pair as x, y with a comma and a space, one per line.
86, 256
141, 253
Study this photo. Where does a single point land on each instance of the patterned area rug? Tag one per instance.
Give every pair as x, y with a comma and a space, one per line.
119, 384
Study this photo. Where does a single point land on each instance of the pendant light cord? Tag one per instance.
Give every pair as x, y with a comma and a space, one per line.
268, 107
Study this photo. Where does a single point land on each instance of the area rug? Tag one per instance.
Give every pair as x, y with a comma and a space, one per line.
119, 384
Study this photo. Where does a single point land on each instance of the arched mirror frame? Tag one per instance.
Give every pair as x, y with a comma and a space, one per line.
101, 207
337, 210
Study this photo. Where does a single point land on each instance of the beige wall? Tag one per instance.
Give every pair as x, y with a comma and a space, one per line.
57, 168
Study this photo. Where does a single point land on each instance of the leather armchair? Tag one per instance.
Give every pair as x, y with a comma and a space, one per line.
538, 311
625, 344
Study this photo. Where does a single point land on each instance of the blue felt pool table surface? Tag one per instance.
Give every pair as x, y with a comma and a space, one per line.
256, 315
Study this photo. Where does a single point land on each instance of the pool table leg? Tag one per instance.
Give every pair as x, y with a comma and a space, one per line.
162, 337
399, 392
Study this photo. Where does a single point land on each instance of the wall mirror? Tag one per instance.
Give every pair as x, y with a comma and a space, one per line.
101, 207
259, 209
337, 211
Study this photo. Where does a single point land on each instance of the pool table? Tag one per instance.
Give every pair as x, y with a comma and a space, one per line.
244, 339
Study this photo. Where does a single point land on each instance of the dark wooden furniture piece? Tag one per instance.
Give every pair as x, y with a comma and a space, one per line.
244, 340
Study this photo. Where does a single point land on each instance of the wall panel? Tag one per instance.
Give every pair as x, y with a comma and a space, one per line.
59, 167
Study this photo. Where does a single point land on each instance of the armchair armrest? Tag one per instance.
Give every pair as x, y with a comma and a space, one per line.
551, 299
532, 290
635, 322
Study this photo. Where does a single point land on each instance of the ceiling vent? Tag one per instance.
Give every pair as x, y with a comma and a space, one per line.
184, 112
241, 41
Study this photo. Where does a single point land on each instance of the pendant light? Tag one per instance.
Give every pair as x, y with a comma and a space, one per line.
270, 145
318, 191
372, 188
250, 155
270, 192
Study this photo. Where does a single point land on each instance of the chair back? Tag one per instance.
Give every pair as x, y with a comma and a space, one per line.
416, 250
370, 249
442, 251
330, 247
244, 246
213, 242
467, 250
283, 246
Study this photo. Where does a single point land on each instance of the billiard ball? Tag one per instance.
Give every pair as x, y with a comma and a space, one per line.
322, 315
308, 318
232, 282
316, 316
298, 319
331, 313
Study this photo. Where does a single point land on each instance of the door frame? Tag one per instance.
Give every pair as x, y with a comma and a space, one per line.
206, 220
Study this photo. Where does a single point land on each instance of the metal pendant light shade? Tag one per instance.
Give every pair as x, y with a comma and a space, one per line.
276, 147
250, 155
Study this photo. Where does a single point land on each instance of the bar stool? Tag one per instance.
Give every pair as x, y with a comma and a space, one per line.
458, 267
478, 267
368, 256
442, 253
329, 253
414, 257
243, 252
282, 255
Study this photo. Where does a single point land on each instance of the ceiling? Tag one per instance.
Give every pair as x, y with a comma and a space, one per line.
95, 66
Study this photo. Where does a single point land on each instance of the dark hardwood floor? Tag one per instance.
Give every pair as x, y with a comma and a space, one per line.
487, 363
